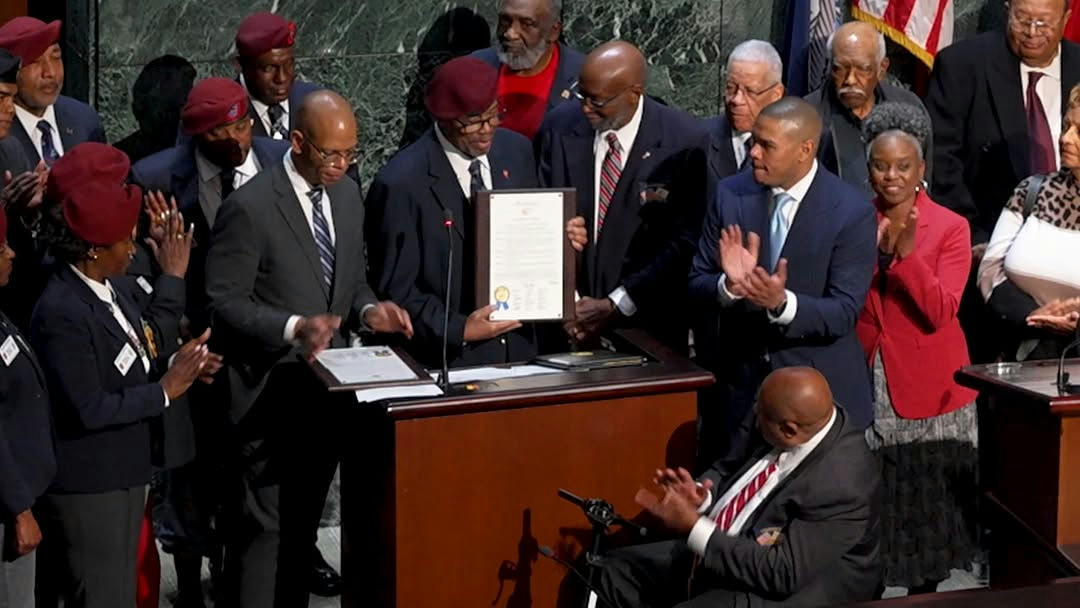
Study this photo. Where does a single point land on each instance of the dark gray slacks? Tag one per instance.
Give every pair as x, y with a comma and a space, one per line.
89, 548
289, 446
656, 575
16, 575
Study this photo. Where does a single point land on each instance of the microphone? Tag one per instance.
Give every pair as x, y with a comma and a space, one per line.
448, 221
548, 553
1063, 385
601, 512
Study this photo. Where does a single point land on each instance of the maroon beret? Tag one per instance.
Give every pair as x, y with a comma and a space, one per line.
102, 212
264, 32
462, 86
28, 38
213, 102
85, 162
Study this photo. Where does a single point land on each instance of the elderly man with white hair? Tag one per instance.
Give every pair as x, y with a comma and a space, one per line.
856, 84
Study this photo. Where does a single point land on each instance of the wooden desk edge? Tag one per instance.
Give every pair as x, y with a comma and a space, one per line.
975, 377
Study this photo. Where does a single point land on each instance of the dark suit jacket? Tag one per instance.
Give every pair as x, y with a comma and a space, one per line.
104, 420
27, 444
18, 297
646, 244
175, 173
721, 155
265, 268
981, 147
566, 74
77, 122
407, 245
831, 252
297, 93
827, 511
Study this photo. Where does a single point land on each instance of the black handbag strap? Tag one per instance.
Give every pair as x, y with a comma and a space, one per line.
1032, 193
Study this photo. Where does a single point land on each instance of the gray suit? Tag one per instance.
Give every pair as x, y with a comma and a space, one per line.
262, 268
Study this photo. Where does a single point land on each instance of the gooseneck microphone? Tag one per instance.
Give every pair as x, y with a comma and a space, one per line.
1063, 385
548, 553
448, 221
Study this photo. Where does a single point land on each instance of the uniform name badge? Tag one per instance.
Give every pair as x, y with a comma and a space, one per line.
124, 360
9, 350
142, 282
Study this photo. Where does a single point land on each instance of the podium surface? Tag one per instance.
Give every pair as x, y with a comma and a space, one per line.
1031, 476
446, 500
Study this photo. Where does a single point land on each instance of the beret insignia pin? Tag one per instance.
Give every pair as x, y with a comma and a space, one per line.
291, 37
234, 112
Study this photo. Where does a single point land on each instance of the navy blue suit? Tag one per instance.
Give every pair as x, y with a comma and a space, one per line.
831, 249
652, 225
566, 74
175, 173
407, 246
27, 448
78, 123
297, 93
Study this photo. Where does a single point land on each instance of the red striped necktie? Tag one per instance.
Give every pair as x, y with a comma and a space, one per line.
609, 178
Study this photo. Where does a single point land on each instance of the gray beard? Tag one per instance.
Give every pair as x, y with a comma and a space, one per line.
526, 60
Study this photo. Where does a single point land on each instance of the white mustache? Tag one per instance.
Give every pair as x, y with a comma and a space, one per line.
851, 91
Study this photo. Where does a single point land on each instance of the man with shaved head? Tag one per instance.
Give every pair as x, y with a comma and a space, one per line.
639, 168
858, 66
784, 261
788, 517
287, 278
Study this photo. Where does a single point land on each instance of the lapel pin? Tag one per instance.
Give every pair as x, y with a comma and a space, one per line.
646, 155
565, 94
69, 131
506, 174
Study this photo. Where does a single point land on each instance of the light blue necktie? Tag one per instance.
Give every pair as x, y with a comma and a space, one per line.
778, 227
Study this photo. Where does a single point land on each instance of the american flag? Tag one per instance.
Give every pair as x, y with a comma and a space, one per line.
923, 27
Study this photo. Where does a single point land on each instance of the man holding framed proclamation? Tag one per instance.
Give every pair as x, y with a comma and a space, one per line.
440, 176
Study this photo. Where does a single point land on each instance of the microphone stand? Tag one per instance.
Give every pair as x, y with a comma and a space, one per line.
448, 221
1063, 385
602, 515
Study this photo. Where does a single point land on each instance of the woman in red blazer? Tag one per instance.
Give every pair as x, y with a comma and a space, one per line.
925, 427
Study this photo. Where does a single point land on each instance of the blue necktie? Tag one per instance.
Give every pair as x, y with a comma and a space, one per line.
476, 179
322, 236
48, 146
778, 227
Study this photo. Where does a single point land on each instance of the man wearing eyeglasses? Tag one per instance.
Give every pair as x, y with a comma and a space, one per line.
640, 170
287, 280
535, 69
858, 66
996, 101
464, 152
218, 156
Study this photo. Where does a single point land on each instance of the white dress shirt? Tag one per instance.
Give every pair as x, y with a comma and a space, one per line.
210, 181
798, 193
738, 144
459, 162
1049, 91
105, 293
263, 112
626, 135
787, 461
30, 122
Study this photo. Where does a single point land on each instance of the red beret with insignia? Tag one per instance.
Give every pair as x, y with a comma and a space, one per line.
462, 86
264, 32
213, 102
85, 162
28, 38
102, 212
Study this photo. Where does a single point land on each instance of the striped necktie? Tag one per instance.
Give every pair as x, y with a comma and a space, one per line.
323, 242
278, 128
610, 172
48, 146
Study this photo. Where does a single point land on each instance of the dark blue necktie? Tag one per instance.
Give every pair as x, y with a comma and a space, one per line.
476, 179
322, 236
48, 146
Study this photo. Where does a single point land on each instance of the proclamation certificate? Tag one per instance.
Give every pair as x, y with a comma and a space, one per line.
525, 264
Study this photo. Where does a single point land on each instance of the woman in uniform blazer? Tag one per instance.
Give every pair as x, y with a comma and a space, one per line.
101, 359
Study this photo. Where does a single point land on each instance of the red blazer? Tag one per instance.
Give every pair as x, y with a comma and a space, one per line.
914, 322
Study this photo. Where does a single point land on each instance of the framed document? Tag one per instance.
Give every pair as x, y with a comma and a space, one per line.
360, 367
524, 263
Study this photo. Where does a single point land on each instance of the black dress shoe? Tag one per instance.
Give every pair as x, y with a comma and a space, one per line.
324, 581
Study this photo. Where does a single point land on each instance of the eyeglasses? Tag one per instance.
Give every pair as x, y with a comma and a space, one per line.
593, 102
1037, 26
731, 90
475, 126
333, 157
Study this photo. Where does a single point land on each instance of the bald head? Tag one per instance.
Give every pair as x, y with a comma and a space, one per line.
611, 83
616, 60
325, 138
794, 403
860, 37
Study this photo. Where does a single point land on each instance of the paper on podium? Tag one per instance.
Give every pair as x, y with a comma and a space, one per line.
488, 374
365, 364
397, 392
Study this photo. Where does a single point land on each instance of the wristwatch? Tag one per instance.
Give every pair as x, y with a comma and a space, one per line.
779, 310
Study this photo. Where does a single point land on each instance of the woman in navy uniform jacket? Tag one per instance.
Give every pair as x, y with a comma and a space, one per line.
27, 462
101, 359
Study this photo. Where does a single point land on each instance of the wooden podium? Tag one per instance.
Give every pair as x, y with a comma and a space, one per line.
1031, 442
446, 500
